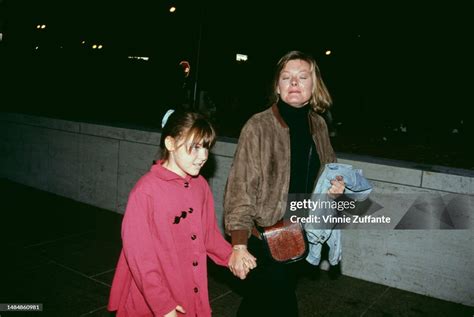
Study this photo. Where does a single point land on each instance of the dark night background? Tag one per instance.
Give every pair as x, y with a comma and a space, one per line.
393, 63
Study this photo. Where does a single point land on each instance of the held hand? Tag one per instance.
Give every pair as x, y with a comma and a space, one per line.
241, 261
337, 187
174, 312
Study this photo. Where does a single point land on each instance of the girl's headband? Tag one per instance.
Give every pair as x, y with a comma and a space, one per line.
165, 117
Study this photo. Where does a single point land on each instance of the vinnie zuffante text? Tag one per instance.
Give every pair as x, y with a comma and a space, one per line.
340, 219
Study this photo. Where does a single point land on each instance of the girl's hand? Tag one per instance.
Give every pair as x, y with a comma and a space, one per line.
337, 187
174, 312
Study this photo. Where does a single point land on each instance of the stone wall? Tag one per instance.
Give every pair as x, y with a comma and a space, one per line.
98, 165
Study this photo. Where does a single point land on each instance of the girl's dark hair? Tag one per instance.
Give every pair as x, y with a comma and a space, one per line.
185, 124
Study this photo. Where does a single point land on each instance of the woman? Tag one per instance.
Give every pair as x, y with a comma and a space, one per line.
281, 150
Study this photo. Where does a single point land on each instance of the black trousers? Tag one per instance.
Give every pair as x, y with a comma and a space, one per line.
269, 289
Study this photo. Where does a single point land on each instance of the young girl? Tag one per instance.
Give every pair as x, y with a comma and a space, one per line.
168, 228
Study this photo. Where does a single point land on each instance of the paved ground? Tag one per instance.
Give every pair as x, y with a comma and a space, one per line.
62, 253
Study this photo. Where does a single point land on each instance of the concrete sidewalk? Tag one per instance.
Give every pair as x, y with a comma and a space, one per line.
62, 253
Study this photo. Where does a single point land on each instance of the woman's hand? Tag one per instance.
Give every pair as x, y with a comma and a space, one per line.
241, 261
174, 312
337, 187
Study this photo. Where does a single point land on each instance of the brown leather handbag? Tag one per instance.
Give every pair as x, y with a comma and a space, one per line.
286, 241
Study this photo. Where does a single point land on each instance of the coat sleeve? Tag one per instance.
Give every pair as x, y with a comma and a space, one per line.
240, 198
217, 248
139, 249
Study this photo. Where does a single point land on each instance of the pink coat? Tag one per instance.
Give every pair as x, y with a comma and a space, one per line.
163, 263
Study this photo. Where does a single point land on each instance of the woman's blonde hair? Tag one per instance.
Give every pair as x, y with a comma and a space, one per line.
320, 99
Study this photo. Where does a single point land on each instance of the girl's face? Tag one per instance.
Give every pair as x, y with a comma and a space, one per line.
295, 84
184, 156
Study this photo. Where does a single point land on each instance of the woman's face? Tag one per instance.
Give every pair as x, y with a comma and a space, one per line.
295, 84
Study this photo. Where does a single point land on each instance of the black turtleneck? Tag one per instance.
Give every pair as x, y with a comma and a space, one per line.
304, 163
